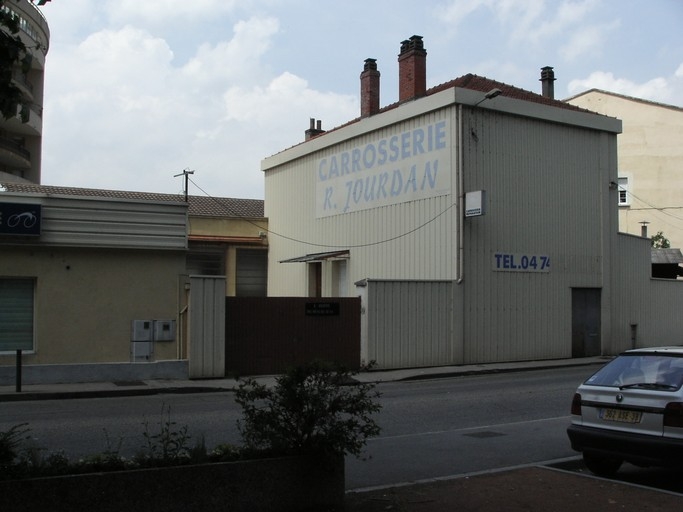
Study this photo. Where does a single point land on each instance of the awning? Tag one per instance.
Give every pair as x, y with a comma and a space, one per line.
666, 256
319, 256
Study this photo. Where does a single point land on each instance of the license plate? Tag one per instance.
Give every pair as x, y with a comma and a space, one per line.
620, 415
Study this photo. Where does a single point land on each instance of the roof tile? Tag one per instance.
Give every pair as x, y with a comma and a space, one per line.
200, 206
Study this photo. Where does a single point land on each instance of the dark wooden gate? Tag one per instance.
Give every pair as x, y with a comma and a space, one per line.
267, 335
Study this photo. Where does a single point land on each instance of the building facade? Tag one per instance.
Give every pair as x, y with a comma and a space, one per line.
84, 281
650, 162
98, 284
21, 135
476, 220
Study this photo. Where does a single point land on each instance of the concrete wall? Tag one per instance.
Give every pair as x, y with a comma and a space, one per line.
85, 300
646, 312
97, 264
650, 156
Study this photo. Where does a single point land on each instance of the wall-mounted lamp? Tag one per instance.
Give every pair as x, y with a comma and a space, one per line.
613, 185
489, 95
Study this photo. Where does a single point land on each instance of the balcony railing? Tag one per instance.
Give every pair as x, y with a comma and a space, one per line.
21, 79
12, 146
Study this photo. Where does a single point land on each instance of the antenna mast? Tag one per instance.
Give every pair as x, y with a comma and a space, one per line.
186, 173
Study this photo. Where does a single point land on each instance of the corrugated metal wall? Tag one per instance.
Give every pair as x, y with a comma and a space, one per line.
99, 222
653, 307
539, 179
409, 323
547, 175
409, 239
207, 327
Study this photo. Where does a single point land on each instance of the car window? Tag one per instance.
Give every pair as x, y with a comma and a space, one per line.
641, 370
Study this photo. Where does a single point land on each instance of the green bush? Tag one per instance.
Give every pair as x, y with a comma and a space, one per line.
316, 408
11, 442
167, 446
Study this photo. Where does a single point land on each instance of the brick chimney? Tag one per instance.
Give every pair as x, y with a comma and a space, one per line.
547, 82
412, 69
315, 129
369, 89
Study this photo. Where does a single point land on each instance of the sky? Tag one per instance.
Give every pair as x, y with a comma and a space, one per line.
137, 91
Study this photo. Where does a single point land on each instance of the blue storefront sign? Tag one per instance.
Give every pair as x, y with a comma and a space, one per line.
20, 219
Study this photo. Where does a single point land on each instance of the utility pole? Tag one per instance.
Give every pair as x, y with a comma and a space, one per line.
185, 173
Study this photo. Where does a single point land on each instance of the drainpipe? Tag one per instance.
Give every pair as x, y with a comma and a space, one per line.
461, 201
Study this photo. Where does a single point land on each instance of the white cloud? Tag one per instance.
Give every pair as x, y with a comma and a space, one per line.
531, 21
121, 57
161, 11
588, 39
139, 119
237, 59
458, 10
137, 90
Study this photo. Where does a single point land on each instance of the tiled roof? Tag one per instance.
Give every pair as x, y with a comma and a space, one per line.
199, 206
482, 84
666, 256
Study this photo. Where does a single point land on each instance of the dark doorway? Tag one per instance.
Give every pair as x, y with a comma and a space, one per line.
586, 322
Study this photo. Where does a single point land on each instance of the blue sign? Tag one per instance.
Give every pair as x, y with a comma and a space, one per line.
506, 262
20, 219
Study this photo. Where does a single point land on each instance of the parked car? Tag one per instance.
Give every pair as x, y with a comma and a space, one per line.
631, 410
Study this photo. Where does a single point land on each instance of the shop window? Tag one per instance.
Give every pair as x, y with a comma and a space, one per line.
251, 279
16, 314
205, 261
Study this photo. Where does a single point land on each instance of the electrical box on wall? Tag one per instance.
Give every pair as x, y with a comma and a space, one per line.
141, 330
143, 334
141, 338
141, 351
164, 330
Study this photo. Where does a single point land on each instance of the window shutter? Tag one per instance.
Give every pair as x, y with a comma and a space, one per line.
16, 314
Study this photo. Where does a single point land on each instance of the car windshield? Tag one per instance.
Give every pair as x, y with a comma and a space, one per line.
646, 371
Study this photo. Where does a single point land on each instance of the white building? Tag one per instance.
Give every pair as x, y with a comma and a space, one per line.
476, 220
21, 136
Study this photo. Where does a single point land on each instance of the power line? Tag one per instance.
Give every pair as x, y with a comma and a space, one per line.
650, 206
314, 244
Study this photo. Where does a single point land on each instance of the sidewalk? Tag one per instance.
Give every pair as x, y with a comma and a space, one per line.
153, 387
526, 489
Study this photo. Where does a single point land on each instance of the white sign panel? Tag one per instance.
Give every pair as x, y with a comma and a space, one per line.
410, 165
507, 262
475, 203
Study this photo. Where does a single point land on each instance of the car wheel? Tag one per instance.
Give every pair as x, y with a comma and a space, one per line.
602, 465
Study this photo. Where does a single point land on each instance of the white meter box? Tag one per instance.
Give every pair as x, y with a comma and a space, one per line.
141, 330
164, 330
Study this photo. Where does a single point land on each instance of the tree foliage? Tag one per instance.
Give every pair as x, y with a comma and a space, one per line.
315, 409
12, 53
659, 241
